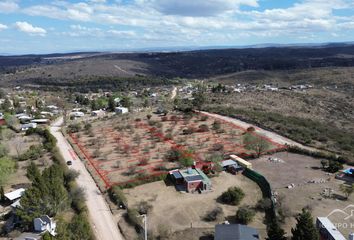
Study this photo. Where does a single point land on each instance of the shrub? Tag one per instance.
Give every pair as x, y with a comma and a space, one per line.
203, 128
232, 196
203, 118
214, 215
117, 196
216, 125
144, 207
133, 217
245, 215
74, 128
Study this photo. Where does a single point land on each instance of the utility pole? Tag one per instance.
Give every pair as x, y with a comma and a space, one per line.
145, 226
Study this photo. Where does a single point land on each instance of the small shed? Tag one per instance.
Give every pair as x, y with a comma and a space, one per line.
43, 224
77, 114
241, 162
190, 180
27, 126
14, 195
121, 110
231, 166
98, 113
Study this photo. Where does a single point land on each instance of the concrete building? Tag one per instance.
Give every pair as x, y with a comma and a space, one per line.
327, 230
190, 180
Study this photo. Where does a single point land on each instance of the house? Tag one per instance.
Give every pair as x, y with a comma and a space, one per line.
235, 232
98, 113
40, 121
243, 163
27, 126
327, 230
44, 113
190, 180
77, 114
231, 166
24, 119
14, 195
1, 115
28, 236
43, 224
121, 110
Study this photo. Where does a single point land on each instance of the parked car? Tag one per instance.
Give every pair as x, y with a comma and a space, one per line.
69, 163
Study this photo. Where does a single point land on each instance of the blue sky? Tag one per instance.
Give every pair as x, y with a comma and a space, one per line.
44, 26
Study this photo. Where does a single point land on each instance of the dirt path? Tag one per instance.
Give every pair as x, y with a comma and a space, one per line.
122, 70
103, 224
273, 136
174, 93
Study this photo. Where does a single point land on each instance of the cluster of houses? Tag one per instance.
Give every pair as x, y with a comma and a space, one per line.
41, 224
29, 121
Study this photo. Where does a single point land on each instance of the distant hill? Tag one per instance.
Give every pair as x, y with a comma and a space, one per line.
61, 68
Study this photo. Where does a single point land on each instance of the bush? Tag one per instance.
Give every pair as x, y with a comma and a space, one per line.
74, 128
117, 196
214, 215
33, 153
203, 128
232, 196
133, 217
144, 207
245, 215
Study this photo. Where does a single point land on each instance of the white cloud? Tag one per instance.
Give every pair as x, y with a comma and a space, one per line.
3, 27
30, 29
8, 6
198, 7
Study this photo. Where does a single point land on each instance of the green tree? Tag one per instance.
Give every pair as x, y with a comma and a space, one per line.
6, 105
334, 166
274, 231
245, 215
232, 196
126, 102
80, 228
347, 190
199, 96
111, 104
305, 228
255, 143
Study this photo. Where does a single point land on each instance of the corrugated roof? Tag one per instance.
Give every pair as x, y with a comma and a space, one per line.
332, 230
229, 162
235, 232
15, 194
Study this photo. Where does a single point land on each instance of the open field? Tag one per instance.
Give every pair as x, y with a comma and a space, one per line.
310, 181
124, 149
180, 211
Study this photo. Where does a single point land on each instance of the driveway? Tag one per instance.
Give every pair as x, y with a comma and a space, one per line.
103, 224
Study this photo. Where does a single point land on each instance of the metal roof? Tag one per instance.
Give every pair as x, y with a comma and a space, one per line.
177, 175
229, 162
235, 232
331, 229
15, 194
193, 178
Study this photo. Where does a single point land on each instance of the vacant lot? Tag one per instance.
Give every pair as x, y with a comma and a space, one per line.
310, 182
180, 211
124, 149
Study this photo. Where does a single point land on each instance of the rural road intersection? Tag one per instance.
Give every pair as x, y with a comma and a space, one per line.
103, 224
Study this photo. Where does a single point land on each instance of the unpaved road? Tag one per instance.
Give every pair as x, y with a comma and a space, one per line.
103, 224
274, 136
174, 93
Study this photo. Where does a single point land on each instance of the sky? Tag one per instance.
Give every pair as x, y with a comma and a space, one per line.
47, 26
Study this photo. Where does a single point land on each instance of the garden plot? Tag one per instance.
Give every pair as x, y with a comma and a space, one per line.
125, 149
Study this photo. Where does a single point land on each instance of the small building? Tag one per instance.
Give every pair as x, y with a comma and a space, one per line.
1, 115
235, 232
28, 236
241, 162
44, 224
121, 110
25, 119
14, 195
327, 229
98, 113
190, 180
27, 126
44, 113
231, 166
77, 114
40, 121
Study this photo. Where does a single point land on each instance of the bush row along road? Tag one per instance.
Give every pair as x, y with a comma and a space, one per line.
103, 224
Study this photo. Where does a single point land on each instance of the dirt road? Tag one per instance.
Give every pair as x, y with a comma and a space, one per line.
274, 136
103, 224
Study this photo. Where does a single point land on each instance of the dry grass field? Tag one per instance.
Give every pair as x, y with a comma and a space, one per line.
310, 182
124, 149
178, 212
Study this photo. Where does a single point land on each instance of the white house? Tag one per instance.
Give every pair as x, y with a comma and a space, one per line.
45, 223
14, 195
98, 113
27, 126
77, 114
121, 110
